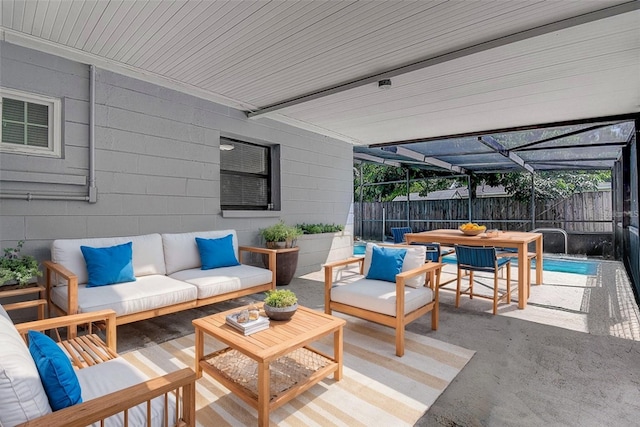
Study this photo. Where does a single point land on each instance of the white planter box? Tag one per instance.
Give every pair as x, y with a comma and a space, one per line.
317, 249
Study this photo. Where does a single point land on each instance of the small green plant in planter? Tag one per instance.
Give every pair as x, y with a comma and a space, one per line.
280, 298
19, 268
280, 304
280, 235
320, 228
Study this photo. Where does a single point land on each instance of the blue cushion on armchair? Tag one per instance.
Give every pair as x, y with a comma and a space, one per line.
56, 373
386, 263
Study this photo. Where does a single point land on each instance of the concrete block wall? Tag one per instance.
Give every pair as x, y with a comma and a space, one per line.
318, 249
157, 161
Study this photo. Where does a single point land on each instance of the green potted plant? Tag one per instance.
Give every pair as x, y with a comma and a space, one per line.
282, 238
280, 235
280, 304
18, 269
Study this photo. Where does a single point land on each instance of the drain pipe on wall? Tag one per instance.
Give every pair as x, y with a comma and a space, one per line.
92, 197
93, 190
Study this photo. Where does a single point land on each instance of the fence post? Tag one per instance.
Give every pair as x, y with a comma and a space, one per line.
533, 202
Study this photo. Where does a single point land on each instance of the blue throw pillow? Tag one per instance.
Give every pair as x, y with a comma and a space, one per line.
107, 266
386, 263
216, 253
56, 373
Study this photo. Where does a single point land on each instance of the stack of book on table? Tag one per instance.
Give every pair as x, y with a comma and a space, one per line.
248, 327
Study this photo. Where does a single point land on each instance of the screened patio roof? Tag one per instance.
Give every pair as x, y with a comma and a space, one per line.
588, 146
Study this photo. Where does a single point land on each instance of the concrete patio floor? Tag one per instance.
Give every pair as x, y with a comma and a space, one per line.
571, 358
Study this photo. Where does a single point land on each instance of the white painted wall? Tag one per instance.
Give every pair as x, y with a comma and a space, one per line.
157, 161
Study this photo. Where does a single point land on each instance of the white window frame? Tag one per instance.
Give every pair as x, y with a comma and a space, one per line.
54, 105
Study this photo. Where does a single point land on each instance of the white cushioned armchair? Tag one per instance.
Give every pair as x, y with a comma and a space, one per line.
111, 389
393, 303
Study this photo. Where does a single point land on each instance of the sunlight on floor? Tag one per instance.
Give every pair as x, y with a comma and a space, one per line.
601, 304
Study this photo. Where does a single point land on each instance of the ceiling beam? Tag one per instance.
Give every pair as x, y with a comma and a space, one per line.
474, 134
405, 152
564, 135
374, 159
450, 56
600, 144
492, 143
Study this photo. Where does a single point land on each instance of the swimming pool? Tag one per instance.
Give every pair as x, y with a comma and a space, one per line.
561, 265
551, 263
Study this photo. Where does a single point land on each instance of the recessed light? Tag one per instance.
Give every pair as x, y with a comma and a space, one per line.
226, 147
384, 84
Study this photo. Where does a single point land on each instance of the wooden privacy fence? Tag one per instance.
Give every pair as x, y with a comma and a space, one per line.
583, 212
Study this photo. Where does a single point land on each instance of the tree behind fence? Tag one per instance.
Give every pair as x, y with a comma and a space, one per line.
583, 212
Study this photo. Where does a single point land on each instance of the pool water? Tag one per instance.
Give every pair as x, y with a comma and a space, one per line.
359, 249
561, 265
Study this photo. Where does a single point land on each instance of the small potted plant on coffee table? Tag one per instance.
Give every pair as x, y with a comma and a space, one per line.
280, 304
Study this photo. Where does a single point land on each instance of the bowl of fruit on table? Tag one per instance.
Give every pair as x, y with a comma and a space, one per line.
472, 229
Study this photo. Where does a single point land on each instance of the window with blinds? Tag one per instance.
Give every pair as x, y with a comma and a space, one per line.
28, 125
245, 176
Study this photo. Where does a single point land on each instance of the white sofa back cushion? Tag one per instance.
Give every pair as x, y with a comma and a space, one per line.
414, 258
181, 250
22, 397
147, 254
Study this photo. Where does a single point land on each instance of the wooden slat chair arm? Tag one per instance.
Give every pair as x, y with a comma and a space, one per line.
173, 385
106, 317
271, 253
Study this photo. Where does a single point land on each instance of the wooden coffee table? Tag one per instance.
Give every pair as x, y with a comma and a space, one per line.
269, 368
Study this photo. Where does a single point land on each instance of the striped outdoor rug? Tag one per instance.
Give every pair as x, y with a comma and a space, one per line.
377, 389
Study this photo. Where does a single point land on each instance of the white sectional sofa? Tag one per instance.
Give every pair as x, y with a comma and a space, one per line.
167, 269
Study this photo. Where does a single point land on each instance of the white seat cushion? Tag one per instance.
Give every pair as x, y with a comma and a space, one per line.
22, 397
108, 377
146, 293
379, 296
224, 279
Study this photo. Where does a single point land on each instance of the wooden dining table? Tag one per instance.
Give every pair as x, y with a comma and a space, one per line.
504, 239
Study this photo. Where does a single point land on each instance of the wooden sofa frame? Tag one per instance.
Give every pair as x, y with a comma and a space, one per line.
89, 349
400, 320
55, 272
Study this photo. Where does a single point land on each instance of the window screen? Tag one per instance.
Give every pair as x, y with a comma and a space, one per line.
245, 175
25, 123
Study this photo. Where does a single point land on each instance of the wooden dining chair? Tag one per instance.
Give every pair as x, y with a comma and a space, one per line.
471, 259
434, 253
513, 253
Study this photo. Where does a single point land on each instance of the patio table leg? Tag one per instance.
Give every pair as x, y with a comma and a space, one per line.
264, 395
199, 350
539, 266
337, 353
523, 276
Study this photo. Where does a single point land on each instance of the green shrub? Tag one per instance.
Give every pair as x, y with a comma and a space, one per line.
21, 268
320, 228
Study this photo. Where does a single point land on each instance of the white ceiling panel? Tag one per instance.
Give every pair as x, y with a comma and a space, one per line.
456, 66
